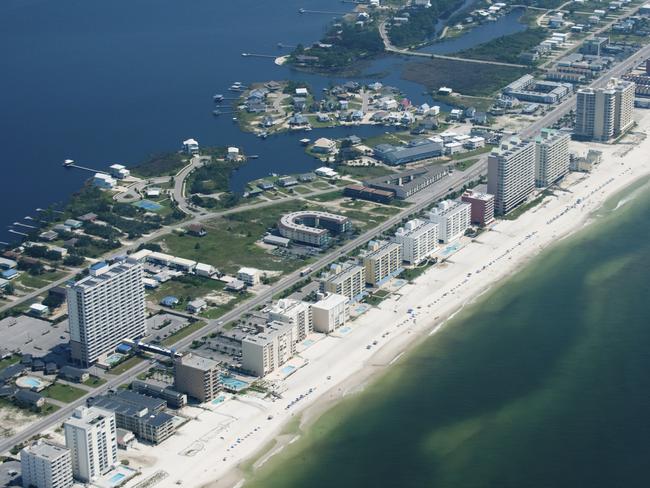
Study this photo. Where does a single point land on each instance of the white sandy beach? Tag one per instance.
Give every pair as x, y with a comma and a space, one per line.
207, 451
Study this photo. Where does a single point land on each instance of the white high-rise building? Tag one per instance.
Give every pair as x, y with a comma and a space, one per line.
267, 351
348, 279
604, 113
46, 465
453, 219
296, 313
90, 435
419, 239
330, 313
511, 174
104, 309
551, 157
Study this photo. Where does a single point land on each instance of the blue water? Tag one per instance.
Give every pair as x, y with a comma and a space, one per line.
287, 370
116, 479
233, 383
503, 26
32, 382
104, 82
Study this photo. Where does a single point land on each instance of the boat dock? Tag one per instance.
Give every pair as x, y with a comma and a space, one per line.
255, 55
69, 163
326, 12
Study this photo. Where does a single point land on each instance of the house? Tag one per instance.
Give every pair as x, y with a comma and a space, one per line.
9, 274
306, 177
169, 301
119, 171
29, 399
60, 251
51, 368
74, 224
191, 146
298, 120
287, 181
6, 263
76, 375
206, 270
48, 235
39, 310
89, 217
324, 146
104, 181
235, 285
196, 306
197, 230
250, 276
326, 172
299, 104
302, 92
265, 185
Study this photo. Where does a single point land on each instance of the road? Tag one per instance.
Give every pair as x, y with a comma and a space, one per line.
454, 181
388, 46
178, 192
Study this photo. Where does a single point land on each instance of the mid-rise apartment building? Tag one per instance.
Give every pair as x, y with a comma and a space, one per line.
265, 352
453, 219
90, 434
105, 308
511, 174
419, 239
482, 207
46, 465
296, 313
347, 279
197, 376
330, 313
382, 261
551, 157
605, 113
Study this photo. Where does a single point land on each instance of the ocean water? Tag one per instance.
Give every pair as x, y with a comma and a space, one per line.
542, 384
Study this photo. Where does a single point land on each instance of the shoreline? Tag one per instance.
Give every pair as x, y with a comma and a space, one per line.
515, 243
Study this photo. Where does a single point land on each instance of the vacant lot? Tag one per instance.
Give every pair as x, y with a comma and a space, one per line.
467, 78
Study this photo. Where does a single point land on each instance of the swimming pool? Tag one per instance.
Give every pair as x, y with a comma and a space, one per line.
114, 358
450, 249
287, 370
219, 399
307, 342
233, 384
30, 382
148, 205
116, 479
345, 329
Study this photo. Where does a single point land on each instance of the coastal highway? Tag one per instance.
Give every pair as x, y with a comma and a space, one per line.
455, 181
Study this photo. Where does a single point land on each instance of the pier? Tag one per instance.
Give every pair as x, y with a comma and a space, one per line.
25, 225
255, 55
69, 163
326, 12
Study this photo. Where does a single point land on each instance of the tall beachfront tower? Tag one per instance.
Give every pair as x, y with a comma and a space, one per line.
90, 434
604, 113
551, 157
511, 174
105, 308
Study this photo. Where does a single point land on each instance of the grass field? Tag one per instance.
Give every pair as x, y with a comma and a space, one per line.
184, 332
507, 48
327, 197
125, 365
63, 392
186, 288
360, 172
94, 381
466, 78
467, 163
232, 242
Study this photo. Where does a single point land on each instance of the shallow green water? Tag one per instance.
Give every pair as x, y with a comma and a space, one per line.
545, 383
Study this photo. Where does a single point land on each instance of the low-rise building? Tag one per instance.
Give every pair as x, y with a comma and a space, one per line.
119, 171
329, 313
104, 181
141, 414
418, 238
453, 219
198, 377
407, 183
324, 146
250, 276
174, 399
312, 227
190, 146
